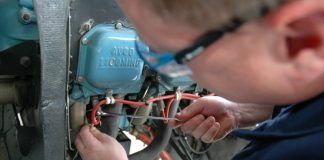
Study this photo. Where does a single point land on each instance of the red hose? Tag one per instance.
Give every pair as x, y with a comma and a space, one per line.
165, 155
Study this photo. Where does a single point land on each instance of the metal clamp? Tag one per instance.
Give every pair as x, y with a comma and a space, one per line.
110, 100
178, 94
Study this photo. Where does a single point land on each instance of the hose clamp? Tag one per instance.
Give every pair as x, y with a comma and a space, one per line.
110, 100
178, 95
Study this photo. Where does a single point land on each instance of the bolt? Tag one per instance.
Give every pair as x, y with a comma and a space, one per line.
109, 92
80, 79
25, 61
87, 27
146, 69
119, 25
85, 41
26, 17
158, 78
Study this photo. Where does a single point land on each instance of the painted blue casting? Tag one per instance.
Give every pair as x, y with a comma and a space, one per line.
12, 29
26, 3
108, 60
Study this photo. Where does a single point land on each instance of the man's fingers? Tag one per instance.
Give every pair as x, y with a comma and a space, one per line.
203, 127
78, 143
99, 136
224, 130
86, 136
175, 124
190, 111
192, 124
209, 136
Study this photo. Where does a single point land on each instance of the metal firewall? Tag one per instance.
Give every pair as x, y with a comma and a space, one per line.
108, 60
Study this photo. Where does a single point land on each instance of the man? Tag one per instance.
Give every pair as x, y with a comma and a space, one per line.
264, 59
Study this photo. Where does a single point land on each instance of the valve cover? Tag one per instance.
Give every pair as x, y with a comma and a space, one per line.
108, 60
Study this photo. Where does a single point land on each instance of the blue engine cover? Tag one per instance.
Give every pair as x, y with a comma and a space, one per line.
12, 30
169, 84
108, 60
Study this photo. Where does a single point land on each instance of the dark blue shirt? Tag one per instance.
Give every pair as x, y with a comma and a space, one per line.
295, 132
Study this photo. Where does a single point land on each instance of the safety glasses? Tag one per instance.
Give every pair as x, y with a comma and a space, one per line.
174, 64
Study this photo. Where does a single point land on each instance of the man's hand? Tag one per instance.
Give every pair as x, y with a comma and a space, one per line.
94, 145
212, 118
208, 119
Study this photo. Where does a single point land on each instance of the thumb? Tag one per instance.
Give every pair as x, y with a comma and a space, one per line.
99, 136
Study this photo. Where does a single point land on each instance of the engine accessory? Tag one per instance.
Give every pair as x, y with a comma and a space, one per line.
8, 93
142, 111
77, 115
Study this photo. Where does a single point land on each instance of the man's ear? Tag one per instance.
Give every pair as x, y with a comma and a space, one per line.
302, 23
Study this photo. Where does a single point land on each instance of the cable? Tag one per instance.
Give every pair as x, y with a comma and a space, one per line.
161, 98
168, 108
96, 120
130, 102
166, 111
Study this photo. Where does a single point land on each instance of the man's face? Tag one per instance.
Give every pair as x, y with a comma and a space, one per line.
252, 65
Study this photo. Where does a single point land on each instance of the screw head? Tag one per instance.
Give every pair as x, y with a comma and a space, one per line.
80, 79
85, 41
118, 25
25, 61
158, 78
26, 17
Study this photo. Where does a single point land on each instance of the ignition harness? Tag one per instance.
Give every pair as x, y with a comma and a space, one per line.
111, 100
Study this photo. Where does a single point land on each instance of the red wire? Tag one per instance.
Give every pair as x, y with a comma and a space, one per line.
167, 109
190, 95
96, 120
189, 98
129, 102
161, 98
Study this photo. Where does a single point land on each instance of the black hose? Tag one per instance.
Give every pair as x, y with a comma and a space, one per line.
161, 140
111, 124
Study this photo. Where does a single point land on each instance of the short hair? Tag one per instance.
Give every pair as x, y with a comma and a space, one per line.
207, 15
